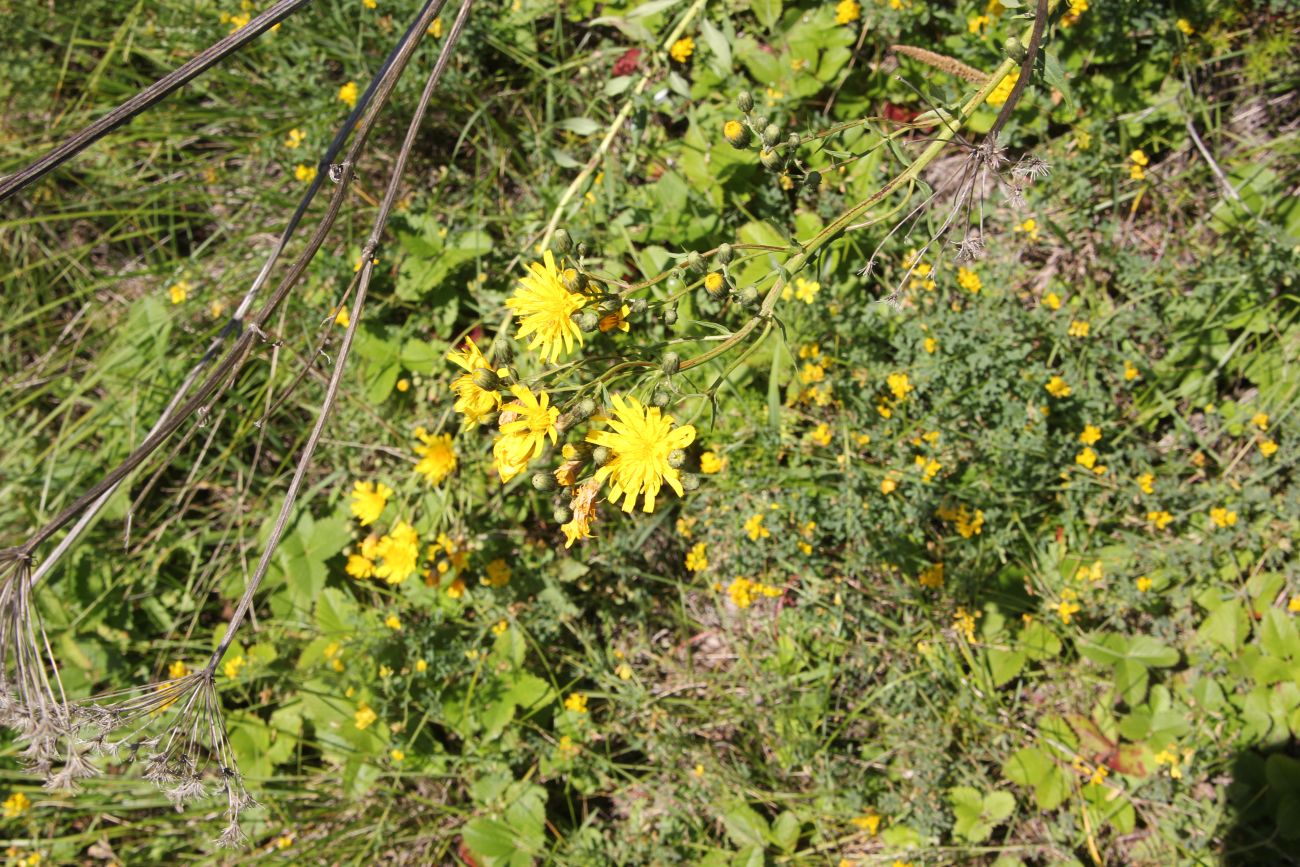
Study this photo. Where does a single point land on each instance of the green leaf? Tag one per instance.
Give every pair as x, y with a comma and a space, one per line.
1035, 768
580, 125
785, 831
744, 826
768, 12
718, 45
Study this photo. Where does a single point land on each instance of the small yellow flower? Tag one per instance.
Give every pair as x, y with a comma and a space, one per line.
294, 139
713, 281
1185, 27
1058, 387
899, 385
1091, 435
1260, 420
1267, 448
1147, 482
1130, 371
576, 702
888, 485
696, 561
847, 11
393, 622
821, 435
869, 822
16, 804
755, 529
969, 280
806, 290
624, 671
177, 670
931, 576
500, 627
1139, 158
1029, 228
364, 717
1086, 458
348, 94
1067, 607
397, 756
977, 23
369, 500
1052, 301
1002, 92
1160, 519
421, 666
456, 589
1222, 518
964, 622
1079, 328
179, 291
1294, 605
682, 49
1143, 584
711, 463
369, 4
435, 28
232, 666
930, 345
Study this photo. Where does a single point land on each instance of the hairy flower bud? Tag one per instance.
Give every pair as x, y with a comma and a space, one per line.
812, 180
1015, 49
770, 159
745, 101
670, 316
586, 408
748, 296
562, 242
544, 482
661, 398
589, 321
600, 456
724, 254
638, 306
690, 481
676, 458
736, 134
672, 363
715, 284
695, 262
562, 514
771, 135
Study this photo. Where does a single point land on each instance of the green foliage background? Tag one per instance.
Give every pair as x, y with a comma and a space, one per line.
859, 717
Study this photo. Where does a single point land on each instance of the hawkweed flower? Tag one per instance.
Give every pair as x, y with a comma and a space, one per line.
640, 442
472, 400
545, 306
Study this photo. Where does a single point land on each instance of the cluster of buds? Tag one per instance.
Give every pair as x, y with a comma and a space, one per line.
777, 155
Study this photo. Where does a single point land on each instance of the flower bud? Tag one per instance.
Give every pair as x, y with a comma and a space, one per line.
724, 254
562, 242
695, 262
1015, 49
486, 379
676, 458
670, 316
583, 250
661, 398
770, 159
611, 305
748, 296
638, 306
571, 279
508, 375
589, 321
601, 455
792, 142
745, 101
690, 481
771, 135
545, 482
812, 180
672, 363
586, 408
562, 514
736, 134
715, 284
502, 351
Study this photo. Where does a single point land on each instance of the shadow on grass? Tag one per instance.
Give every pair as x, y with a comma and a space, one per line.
1264, 800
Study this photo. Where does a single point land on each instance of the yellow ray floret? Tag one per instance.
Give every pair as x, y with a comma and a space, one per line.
641, 440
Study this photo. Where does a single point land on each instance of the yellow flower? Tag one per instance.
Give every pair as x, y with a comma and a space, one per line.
1222, 518
964, 622
400, 553
576, 702
682, 49
1052, 301
1267, 448
543, 306
421, 666
713, 281
305, 173
899, 385
711, 463
177, 670
1185, 27
435, 28
1146, 482
364, 717
525, 426
869, 822
930, 345
472, 401
1067, 607
1260, 420
1160, 519
369, 500
348, 94
500, 627
1143, 584
847, 11
1089, 573
1130, 372
1029, 228
624, 671
16, 804
456, 589
969, 525
1139, 158
397, 756
179, 291
498, 573
583, 506
1086, 458
888, 485
1079, 328
437, 457
931, 576
737, 136
1057, 387
239, 21
1294, 605
743, 592
369, 4
342, 318
641, 441
393, 622
295, 139
696, 561
1002, 92
821, 435
976, 23
360, 567
969, 280
806, 290
232, 667
1091, 435
754, 527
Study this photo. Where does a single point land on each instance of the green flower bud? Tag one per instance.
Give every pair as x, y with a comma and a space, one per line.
736, 134
561, 242
771, 135
589, 321
638, 306
748, 296
674, 284
670, 316
601, 455
661, 398
510, 377
745, 101
676, 458
695, 262
690, 482
545, 482
583, 250
792, 142
571, 279
672, 363
1015, 49
611, 305
812, 180
562, 514
770, 159
486, 379
502, 352
724, 254
586, 408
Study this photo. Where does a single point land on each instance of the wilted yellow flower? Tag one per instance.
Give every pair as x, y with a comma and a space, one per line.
583, 506
498, 573
931, 576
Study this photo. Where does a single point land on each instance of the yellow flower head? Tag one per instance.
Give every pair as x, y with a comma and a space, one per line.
754, 527
641, 440
711, 462
1222, 518
498, 573
543, 306
472, 401
1260, 420
899, 384
616, 320
1058, 387
696, 559
304, 173
437, 457
364, 717
179, 291
16, 804
847, 11
369, 500
1002, 92
525, 426
348, 94
682, 49
399, 552
576, 702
